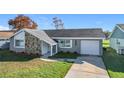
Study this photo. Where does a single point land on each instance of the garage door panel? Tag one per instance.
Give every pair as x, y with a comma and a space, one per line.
89, 47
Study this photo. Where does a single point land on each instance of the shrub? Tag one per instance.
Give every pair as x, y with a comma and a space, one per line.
104, 49
75, 52
68, 52
61, 52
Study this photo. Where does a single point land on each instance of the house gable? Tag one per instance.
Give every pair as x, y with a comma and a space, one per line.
20, 35
117, 37
20, 38
117, 33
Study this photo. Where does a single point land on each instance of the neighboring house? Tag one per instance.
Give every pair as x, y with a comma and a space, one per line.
82, 41
4, 38
117, 38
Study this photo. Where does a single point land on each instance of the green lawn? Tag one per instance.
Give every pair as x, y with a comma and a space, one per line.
6, 55
105, 43
65, 55
114, 63
23, 66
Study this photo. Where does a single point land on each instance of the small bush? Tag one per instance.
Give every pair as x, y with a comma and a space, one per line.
104, 49
61, 52
68, 52
65, 55
75, 52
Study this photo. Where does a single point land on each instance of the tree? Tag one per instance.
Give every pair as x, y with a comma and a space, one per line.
58, 23
21, 22
107, 33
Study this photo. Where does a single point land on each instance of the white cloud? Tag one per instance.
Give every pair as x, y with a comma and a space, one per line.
3, 28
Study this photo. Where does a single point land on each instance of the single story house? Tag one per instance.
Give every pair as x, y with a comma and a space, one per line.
117, 38
4, 38
82, 41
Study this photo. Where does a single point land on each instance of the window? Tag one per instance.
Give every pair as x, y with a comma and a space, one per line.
118, 42
65, 43
19, 43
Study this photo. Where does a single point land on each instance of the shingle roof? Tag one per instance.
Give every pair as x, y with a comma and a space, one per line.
41, 35
121, 26
6, 34
94, 32
46, 35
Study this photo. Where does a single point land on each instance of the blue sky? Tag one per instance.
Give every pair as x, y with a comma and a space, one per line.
44, 21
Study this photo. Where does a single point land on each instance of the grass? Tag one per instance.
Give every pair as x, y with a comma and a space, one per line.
30, 67
106, 43
114, 63
65, 55
6, 55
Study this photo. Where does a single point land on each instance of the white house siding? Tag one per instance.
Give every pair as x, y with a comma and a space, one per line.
117, 39
19, 36
113, 43
121, 41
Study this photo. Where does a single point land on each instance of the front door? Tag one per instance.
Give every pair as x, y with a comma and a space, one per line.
45, 48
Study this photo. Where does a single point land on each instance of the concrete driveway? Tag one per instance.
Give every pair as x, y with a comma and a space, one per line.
88, 67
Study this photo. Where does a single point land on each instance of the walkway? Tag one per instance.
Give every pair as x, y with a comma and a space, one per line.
88, 67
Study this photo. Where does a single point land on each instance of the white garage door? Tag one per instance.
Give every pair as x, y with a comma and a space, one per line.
89, 47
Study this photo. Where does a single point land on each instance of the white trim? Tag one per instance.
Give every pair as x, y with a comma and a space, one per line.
51, 52
17, 32
15, 38
41, 47
115, 29
56, 48
75, 38
120, 28
18, 46
70, 44
31, 34
112, 31
46, 41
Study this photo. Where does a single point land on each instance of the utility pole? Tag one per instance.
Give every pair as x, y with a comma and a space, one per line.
58, 23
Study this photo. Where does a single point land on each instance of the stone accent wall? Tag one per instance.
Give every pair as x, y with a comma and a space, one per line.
32, 44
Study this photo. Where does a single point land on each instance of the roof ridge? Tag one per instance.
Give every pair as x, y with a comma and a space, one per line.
73, 29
